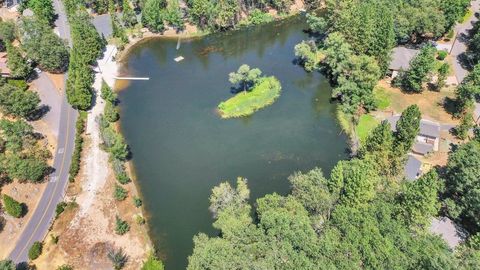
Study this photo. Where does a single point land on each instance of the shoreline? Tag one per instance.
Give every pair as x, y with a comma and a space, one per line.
197, 34
112, 83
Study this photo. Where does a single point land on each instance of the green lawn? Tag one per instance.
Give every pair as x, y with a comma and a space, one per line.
467, 16
382, 100
365, 125
262, 95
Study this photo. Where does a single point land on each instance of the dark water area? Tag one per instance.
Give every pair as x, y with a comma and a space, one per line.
182, 148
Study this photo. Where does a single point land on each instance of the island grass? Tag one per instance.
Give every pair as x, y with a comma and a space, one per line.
244, 104
365, 125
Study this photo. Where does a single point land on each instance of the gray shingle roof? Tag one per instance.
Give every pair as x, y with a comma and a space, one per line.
448, 230
401, 57
427, 128
422, 148
103, 24
412, 168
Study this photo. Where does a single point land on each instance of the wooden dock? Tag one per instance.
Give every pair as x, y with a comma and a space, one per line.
132, 78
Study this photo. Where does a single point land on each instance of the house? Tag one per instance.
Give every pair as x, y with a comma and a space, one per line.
413, 168
4, 70
448, 230
428, 138
401, 57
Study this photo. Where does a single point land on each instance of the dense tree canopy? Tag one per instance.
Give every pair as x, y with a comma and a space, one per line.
18, 102
19, 68
43, 9
310, 229
468, 89
43, 46
462, 184
21, 156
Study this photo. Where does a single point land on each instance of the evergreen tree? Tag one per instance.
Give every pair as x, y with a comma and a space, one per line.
462, 181
407, 128
420, 68
419, 200
12, 207
153, 15
18, 66
128, 16
43, 9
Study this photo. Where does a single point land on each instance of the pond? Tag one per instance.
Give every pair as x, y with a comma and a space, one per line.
182, 148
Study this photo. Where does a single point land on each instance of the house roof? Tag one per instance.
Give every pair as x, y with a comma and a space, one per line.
448, 230
422, 148
427, 128
401, 57
412, 168
103, 24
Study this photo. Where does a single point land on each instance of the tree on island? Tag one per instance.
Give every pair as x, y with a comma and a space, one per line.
245, 77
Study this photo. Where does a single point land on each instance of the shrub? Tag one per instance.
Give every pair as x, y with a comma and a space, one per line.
20, 84
120, 193
12, 207
77, 151
137, 201
65, 267
139, 219
111, 112
35, 250
118, 258
442, 54
7, 265
60, 208
55, 239
259, 17
121, 226
152, 263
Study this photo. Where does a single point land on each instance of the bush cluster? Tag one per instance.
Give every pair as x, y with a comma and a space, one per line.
77, 151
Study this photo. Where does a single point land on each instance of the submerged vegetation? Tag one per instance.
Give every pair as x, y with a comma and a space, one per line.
264, 93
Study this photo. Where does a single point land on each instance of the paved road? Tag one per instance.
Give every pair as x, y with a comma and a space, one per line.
51, 97
460, 45
40, 222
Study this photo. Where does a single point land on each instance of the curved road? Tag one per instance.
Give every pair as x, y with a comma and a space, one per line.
39, 224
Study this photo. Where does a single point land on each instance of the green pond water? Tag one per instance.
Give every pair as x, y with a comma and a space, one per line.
182, 148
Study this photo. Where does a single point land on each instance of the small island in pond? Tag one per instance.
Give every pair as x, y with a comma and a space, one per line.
254, 93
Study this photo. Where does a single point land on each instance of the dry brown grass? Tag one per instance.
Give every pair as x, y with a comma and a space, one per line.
431, 103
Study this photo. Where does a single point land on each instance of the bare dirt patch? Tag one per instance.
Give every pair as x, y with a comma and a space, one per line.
27, 193
58, 81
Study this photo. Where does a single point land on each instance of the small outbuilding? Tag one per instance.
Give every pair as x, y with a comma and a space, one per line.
413, 168
448, 230
103, 24
401, 57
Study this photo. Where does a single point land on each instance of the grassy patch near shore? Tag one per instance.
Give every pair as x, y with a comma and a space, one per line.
244, 104
366, 124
